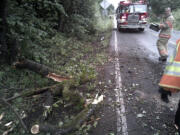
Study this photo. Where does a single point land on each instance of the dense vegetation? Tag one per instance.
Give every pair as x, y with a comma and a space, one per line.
25, 24
159, 6
177, 19
64, 35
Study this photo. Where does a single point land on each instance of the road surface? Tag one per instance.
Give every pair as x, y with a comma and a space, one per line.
132, 105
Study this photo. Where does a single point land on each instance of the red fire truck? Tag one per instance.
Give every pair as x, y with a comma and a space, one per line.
132, 15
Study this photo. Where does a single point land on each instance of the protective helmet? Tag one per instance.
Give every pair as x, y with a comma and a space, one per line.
167, 9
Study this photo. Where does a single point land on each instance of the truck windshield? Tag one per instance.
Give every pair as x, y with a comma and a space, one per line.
138, 8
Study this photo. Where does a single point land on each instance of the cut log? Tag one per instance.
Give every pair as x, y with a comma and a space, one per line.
40, 69
56, 78
47, 105
74, 124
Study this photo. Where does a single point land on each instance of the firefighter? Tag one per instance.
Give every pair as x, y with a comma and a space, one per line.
165, 34
170, 81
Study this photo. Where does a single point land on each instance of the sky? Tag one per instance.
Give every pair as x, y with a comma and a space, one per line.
115, 2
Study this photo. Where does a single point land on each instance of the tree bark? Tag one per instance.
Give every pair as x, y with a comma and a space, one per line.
55, 89
17, 115
75, 124
60, 23
3, 29
19, 2
40, 69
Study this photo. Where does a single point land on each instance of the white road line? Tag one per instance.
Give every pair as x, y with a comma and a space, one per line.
120, 109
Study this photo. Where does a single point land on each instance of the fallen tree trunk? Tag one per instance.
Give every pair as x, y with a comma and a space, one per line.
40, 69
73, 125
55, 89
58, 89
65, 89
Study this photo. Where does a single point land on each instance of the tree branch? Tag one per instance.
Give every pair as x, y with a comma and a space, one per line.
15, 112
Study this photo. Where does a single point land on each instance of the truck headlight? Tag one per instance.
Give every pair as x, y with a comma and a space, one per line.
122, 20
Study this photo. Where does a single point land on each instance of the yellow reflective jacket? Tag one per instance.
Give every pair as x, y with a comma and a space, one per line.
171, 77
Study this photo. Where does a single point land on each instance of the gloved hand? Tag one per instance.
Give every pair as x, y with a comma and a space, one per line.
161, 26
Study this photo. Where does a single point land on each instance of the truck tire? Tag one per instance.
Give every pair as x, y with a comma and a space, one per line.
141, 29
120, 29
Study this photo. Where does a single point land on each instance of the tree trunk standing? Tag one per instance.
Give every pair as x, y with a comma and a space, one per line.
3, 29
62, 19
60, 22
19, 2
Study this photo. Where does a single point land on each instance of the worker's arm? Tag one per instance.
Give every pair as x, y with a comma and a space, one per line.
162, 25
167, 24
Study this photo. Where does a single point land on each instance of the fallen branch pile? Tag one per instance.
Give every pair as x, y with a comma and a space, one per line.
62, 89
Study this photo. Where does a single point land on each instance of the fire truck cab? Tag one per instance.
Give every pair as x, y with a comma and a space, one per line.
132, 15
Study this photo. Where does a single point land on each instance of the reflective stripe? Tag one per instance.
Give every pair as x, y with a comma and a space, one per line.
172, 73
177, 58
175, 64
165, 36
169, 23
170, 81
178, 44
173, 68
178, 41
170, 87
163, 52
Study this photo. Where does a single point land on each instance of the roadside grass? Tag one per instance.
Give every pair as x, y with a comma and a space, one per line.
71, 57
104, 23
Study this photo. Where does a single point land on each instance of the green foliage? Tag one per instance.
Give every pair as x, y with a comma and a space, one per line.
158, 10
177, 19
48, 32
158, 6
68, 55
36, 24
103, 22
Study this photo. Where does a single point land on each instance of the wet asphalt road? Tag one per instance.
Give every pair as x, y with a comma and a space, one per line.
140, 73
147, 39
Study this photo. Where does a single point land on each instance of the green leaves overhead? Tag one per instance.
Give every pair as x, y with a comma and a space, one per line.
158, 6
33, 23
55, 5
